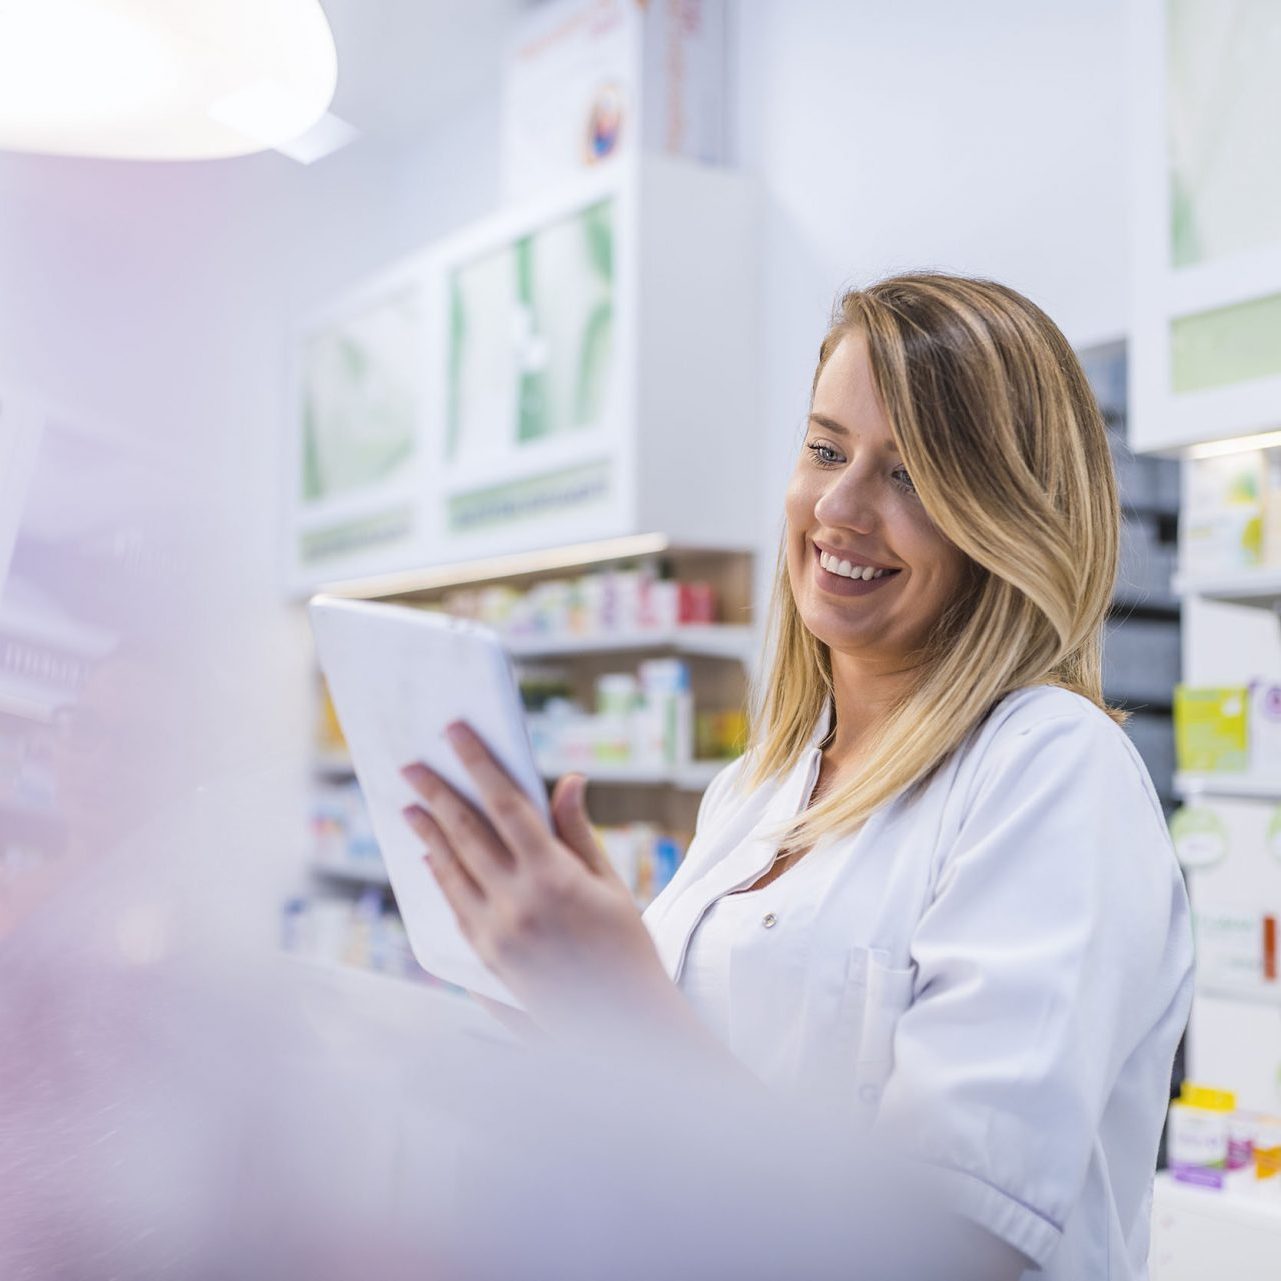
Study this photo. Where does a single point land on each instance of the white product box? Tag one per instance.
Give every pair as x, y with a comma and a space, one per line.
586, 81
1221, 525
1264, 724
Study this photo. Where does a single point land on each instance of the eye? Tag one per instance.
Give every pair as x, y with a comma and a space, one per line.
903, 480
818, 450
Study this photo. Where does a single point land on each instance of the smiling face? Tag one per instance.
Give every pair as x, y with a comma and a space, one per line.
851, 495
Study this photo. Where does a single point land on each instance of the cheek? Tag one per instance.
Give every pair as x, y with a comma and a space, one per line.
798, 507
804, 489
936, 559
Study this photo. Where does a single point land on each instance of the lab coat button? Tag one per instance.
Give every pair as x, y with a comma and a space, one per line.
768, 919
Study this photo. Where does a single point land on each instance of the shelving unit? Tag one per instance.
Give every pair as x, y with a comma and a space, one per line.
1206, 1232
693, 777
721, 657
1257, 588
1247, 786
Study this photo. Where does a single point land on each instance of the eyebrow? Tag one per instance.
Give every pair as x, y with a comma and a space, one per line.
830, 424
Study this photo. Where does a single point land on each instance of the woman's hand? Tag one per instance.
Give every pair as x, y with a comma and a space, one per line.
544, 910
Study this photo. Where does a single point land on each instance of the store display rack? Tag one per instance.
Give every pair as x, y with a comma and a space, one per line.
1208, 1232
1242, 786
1259, 588
721, 657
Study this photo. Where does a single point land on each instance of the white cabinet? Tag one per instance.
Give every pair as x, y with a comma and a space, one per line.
576, 368
1206, 204
1198, 1234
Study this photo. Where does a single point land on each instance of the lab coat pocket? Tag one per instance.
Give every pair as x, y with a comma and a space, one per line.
854, 1003
886, 991
876, 994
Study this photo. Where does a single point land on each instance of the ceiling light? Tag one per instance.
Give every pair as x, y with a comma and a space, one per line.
162, 79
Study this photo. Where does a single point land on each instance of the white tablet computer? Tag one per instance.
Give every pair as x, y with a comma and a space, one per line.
398, 676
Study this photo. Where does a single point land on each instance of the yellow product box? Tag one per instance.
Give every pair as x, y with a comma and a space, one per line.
720, 735
1211, 727
329, 735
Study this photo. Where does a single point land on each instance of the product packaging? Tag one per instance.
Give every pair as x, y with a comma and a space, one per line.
720, 735
696, 603
1211, 728
625, 584
1267, 1153
1197, 1135
667, 856
667, 712
1221, 525
588, 81
329, 735
620, 846
1265, 727
1272, 508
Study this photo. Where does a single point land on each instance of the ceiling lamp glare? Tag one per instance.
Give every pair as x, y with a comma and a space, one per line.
162, 79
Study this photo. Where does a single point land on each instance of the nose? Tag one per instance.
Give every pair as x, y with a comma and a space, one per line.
849, 502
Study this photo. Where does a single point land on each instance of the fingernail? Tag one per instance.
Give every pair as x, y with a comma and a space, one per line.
457, 731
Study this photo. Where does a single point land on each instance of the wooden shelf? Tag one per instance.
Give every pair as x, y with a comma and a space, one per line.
523, 569
1247, 786
693, 777
714, 640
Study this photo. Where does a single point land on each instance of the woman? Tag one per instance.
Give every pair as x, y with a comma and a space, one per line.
939, 879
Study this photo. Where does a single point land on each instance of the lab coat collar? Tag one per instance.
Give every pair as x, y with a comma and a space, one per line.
823, 726
746, 861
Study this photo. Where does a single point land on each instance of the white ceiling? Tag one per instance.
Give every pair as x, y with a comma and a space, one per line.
404, 65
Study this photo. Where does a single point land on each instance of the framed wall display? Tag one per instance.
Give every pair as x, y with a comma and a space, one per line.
1207, 222
536, 381
533, 384
356, 468
589, 336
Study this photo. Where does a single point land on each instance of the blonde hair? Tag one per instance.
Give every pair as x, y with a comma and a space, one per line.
1003, 438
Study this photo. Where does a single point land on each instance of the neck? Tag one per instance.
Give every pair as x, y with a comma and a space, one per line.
865, 690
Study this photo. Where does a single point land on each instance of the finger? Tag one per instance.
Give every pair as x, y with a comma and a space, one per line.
518, 822
465, 897
573, 826
469, 833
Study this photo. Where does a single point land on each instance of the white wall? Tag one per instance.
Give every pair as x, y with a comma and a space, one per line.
155, 299
982, 137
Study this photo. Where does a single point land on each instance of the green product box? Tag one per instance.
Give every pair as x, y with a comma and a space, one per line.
1211, 730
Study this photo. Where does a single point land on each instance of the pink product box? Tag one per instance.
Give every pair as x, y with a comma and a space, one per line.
697, 603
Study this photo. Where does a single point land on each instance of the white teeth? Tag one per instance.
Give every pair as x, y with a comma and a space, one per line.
847, 569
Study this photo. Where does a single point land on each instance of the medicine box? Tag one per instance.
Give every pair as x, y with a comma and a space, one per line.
1210, 728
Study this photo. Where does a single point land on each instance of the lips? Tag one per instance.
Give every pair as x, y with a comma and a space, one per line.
854, 558
833, 584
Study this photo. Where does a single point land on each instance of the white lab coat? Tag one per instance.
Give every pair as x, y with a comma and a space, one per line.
1001, 961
